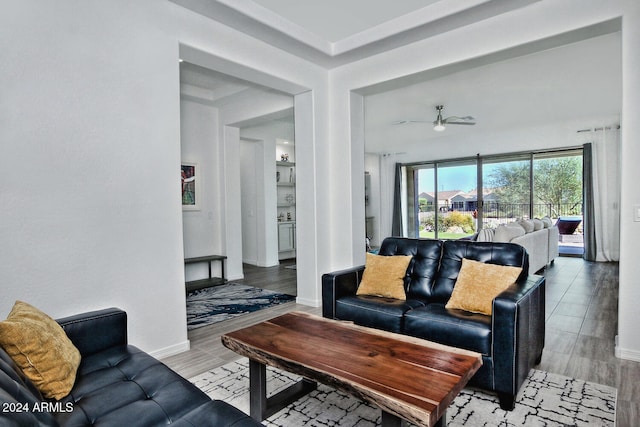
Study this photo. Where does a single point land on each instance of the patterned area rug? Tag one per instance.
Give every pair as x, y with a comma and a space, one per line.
216, 304
545, 400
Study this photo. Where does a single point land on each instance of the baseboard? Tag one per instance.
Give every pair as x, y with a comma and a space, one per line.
171, 350
621, 353
309, 302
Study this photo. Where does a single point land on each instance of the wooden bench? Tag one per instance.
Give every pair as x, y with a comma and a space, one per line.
210, 281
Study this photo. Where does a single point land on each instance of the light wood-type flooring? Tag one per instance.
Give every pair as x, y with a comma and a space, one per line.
581, 325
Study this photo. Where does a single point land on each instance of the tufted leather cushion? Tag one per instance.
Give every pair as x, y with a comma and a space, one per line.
457, 328
375, 312
117, 385
424, 265
122, 384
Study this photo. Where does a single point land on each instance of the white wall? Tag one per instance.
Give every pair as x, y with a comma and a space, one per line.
629, 296
251, 175
90, 154
199, 143
90, 157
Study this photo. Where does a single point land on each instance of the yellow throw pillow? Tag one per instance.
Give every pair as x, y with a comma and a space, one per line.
479, 283
384, 276
41, 348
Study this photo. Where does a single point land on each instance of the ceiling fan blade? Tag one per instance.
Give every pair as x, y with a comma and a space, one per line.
404, 122
455, 120
461, 123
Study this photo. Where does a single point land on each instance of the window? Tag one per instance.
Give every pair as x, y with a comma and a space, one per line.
442, 198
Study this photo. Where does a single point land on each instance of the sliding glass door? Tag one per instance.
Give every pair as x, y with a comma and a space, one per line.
506, 184
558, 194
447, 200
442, 200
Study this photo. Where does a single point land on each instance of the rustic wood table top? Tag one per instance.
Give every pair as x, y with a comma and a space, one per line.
408, 377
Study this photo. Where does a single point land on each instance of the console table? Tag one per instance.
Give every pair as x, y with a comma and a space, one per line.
211, 281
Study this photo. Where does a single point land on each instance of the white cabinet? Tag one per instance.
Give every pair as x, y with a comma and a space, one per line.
286, 187
286, 236
286, 184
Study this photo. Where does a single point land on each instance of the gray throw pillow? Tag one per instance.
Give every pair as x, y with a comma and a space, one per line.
506, 233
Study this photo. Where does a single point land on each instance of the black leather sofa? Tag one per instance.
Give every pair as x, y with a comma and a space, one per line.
511, 340
116, 385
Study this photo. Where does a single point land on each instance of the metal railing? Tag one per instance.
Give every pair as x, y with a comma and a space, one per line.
495, 213
499, 210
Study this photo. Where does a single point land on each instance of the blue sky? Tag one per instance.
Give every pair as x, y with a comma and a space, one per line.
453, 177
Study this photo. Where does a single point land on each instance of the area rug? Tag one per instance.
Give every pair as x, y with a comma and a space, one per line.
544, 400
216, 304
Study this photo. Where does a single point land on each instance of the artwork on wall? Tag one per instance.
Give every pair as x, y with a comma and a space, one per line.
191, 184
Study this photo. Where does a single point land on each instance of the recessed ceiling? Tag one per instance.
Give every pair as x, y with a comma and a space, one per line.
216, 89
335, 20
333, 32
567, 77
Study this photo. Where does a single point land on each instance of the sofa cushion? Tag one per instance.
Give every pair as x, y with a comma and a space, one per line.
384, 276
457, 328
527, 224
479, 283
506, 233
122, 384
485, 235
424, 265
375, 312
41, 349
454, 251
16, 391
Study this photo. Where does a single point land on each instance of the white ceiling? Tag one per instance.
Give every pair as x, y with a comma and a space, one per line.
573, 77
214, 88
573, 84
336, 20
334, 32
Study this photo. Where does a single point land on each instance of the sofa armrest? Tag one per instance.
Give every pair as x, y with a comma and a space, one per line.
96, 331
518, 326
338, 284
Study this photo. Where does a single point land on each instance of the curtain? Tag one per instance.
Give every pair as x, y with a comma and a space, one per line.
589, 230
396, 225
605, 183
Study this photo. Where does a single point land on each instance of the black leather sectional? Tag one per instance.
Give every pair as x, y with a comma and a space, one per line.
511, 340
116, 385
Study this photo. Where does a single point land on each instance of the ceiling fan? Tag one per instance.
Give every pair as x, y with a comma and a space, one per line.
440, 124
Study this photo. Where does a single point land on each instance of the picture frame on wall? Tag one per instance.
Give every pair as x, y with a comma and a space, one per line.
191, 186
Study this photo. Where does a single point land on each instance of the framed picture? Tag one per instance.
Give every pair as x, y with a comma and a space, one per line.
191, 183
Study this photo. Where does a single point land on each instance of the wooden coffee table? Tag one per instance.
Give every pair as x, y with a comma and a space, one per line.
408, 378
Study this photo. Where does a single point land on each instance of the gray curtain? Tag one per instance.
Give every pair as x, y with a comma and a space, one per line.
396, 222
589, 229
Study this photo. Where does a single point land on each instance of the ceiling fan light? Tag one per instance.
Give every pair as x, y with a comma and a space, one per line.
438, 125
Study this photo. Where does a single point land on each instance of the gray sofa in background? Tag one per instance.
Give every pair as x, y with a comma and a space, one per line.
538, 236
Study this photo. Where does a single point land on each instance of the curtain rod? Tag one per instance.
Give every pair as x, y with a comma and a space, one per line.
598, 129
